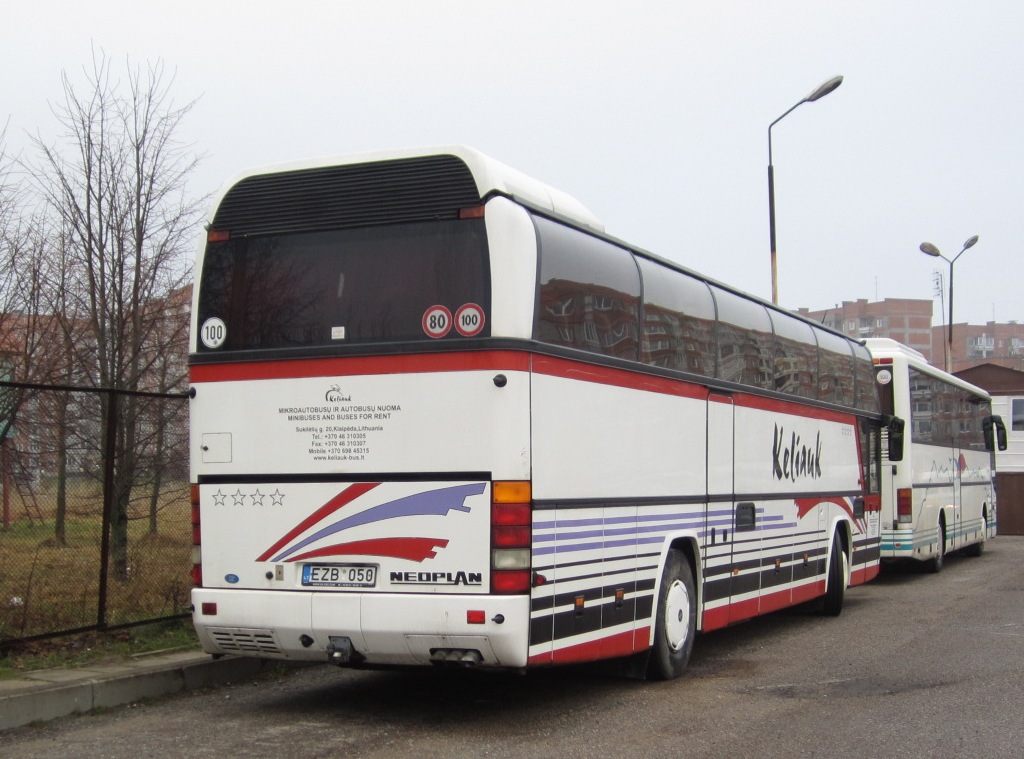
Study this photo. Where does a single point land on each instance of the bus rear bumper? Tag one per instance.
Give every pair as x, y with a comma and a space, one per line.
369, 628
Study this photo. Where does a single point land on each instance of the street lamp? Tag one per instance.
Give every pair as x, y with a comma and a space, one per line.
931, 250
822, 90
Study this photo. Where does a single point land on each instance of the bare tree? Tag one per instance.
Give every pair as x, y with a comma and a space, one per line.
116, 183
27, 328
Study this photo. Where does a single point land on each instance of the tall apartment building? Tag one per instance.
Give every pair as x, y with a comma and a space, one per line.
902, 319
999, 344
910, 322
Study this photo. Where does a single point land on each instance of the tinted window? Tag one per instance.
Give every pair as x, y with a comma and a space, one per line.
745, 341
589, 296
866, 388
835, 369
943, 414
362, 285
970, 431
796, 357
679, 320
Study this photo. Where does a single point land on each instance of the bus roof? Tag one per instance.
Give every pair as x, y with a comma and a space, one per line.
494, 177
885, 347
490, 176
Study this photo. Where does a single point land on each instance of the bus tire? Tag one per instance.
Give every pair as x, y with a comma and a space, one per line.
838, 577
676, 620
935, 564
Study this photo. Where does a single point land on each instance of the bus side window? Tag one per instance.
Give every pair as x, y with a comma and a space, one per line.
589, 294
679, 320
746, 341
796, 356
864, 376
836, 369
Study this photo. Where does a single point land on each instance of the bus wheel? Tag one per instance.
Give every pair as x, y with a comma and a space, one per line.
935, 565
676, 623
838, 578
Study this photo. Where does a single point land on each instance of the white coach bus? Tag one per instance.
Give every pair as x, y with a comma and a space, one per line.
438, 416
939, 495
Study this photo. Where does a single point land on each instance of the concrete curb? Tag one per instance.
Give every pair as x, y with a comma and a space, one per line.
51, 693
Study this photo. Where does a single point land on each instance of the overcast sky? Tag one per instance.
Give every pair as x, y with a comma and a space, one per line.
653, 114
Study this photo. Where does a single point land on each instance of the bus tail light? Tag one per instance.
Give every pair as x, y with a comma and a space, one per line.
904, 509
511, 537
197, 556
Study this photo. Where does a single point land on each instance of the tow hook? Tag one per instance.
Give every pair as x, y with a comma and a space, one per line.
341, 652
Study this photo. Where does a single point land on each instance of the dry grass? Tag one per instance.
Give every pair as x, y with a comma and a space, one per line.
48, 587
95, 647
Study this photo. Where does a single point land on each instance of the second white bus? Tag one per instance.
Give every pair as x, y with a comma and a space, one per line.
939, 495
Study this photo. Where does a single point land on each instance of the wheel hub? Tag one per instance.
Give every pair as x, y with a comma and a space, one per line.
677, 615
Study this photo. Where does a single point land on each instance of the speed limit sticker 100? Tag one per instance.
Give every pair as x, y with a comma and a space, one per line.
213, 333
469, 320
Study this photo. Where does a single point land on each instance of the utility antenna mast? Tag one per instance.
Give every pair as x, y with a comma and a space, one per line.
940, 293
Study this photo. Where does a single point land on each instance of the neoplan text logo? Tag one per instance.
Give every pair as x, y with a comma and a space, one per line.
437, 578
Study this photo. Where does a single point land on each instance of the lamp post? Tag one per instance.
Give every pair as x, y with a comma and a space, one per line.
931, 250
822, 90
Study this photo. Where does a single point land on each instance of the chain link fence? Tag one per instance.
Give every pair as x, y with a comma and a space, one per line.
96, 529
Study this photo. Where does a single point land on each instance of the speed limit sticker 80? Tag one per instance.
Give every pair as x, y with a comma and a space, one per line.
437, 320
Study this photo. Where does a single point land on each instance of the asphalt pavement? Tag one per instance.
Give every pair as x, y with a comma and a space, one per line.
50, 693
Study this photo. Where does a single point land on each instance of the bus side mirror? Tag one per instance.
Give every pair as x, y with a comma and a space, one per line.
895, 427
995, 433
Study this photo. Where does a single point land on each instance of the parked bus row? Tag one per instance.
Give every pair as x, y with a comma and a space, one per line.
440, 417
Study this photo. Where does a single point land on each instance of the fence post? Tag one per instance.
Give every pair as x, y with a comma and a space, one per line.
5, 465
110, 420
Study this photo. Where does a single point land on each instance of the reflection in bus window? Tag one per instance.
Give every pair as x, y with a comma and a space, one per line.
796, 357
745, 341
944, 414
589, 292
866, 390
679, 321
835, 369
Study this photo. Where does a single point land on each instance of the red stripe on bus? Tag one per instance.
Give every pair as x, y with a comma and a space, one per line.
620, 644
340, 367
412, 549
578, 370
794, 407
722, 616
861, 576
343, 498
419, 363
604, 375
